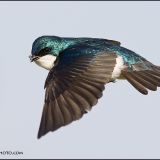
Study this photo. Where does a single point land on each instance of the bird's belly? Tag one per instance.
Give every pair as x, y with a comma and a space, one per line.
116, 74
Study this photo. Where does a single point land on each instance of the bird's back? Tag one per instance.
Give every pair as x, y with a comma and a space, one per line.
96, 45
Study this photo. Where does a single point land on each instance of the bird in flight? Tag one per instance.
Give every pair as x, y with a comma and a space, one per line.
79, 68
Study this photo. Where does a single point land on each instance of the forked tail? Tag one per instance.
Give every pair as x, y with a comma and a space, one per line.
144, 79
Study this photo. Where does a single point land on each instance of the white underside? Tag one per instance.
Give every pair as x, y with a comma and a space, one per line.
118, 67
46, 62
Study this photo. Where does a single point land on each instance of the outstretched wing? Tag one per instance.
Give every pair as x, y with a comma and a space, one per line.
74, 85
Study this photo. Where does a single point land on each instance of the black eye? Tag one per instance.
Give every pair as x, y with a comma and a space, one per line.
47, 49
44, 51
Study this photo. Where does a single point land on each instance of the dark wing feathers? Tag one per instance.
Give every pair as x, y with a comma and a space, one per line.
77, 80
73, 86
114, 42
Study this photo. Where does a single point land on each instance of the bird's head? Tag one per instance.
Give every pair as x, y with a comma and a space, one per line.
45, 49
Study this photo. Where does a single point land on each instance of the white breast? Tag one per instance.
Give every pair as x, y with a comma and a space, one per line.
46, 62
118, 67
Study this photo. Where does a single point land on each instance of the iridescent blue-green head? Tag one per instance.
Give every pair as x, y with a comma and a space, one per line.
46, 45
45, 49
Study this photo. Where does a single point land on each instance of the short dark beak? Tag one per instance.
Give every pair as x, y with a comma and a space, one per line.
33, 58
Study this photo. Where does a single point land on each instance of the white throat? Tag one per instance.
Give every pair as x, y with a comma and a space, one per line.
46, 61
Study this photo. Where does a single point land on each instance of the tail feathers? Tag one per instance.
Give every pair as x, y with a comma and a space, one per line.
143, 80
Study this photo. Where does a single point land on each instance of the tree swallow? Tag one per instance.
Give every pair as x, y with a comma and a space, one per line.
79, 68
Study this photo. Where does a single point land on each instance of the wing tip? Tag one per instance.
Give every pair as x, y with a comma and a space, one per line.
39, 135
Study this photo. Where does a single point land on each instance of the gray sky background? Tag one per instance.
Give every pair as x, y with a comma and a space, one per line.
124, 124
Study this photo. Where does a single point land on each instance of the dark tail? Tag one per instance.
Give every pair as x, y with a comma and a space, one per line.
145, 79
